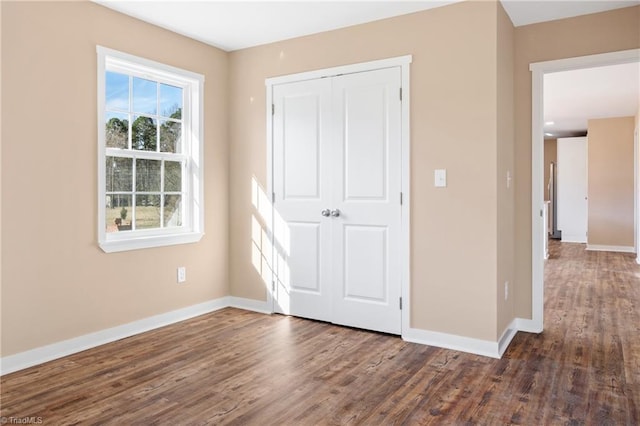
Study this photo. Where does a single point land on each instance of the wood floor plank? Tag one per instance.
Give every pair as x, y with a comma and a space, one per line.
242, 368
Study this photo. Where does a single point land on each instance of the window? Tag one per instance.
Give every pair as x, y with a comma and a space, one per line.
149, 153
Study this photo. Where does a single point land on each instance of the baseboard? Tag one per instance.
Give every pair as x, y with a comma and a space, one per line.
579, 239
22, 360
620, 249
250, 305
507, 336
452, 341
527, 325
470, 345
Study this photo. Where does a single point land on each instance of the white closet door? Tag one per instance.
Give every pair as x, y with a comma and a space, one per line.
302, 186
366, 235
572, 189
337, 149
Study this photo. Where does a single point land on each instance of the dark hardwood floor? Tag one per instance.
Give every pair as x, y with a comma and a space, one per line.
244, 368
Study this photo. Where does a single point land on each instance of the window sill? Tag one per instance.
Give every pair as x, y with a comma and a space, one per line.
150, 242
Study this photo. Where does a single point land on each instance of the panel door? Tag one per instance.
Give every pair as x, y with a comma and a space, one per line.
366, 174
572, 189
336, 174
302, 185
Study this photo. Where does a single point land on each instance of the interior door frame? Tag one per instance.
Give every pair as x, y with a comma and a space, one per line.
404, 63
538, 70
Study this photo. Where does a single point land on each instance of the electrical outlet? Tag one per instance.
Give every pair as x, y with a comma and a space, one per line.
182, 274
506, 290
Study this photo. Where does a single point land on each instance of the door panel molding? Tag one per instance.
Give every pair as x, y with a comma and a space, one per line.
368, 243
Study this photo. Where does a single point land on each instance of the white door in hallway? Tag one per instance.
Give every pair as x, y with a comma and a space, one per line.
572, 189
336, 165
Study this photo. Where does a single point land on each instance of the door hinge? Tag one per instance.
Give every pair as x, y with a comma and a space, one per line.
401, 198
541, 215
401, 93
273, 286
401, 303
273, 197
273, 109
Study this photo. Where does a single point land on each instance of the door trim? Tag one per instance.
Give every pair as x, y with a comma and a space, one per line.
404, 63
538, 70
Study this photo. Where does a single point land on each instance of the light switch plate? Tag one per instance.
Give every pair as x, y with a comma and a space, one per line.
440, 178
182, 274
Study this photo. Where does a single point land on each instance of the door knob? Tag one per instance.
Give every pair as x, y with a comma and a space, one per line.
325, 212
335, 213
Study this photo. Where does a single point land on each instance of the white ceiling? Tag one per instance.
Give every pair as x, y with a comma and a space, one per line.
233, 25
570, 97
525, 12
573, 97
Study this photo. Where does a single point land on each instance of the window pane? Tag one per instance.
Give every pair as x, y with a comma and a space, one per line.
117, 130
144, 134
172, 210
147, 211
118, 214
145, 96
148, 176
117, 91
172, 176
119, 174
170, 136
170, 101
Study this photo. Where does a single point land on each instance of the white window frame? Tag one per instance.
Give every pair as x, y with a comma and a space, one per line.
192, 228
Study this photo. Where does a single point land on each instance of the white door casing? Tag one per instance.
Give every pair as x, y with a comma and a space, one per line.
337, 149
538, 70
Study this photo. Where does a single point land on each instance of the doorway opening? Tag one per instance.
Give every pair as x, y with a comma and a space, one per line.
538, 219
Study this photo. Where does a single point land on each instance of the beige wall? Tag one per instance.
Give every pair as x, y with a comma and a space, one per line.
584, 35
611, 182
505, 219
550, 156
454, 245
56, 282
